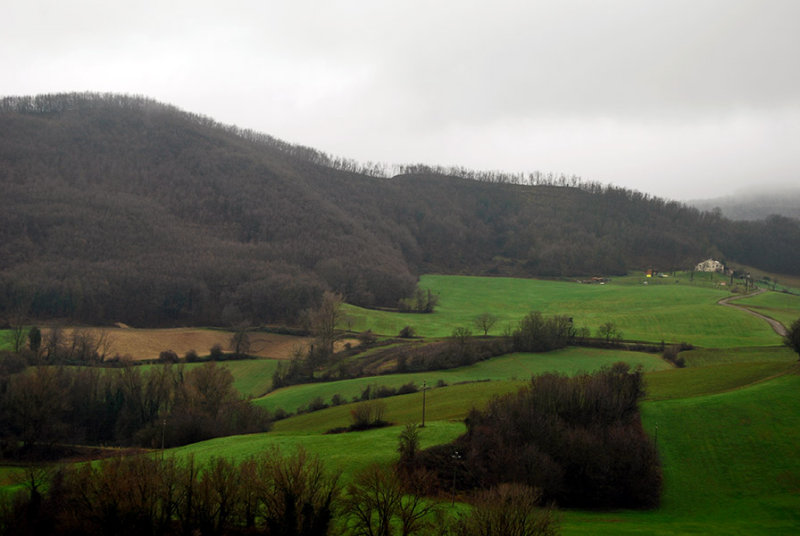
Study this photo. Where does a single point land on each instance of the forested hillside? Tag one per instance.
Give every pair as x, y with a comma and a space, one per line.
121, 209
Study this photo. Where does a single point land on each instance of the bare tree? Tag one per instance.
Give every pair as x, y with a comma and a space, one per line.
240, 340
323, 323
485, 322
379, 501
508, 509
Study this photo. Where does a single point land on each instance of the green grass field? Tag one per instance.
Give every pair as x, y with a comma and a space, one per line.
672, 312
513, 366
718, 356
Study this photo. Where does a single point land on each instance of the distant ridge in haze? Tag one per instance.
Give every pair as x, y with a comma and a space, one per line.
755, 204
121, 209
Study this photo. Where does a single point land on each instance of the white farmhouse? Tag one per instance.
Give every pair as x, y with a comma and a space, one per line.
710, 265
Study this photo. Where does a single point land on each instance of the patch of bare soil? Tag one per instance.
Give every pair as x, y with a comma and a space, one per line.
141, 344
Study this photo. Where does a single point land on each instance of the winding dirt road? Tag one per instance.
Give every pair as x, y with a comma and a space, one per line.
777, 327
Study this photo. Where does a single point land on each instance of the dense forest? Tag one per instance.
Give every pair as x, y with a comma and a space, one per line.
122, 209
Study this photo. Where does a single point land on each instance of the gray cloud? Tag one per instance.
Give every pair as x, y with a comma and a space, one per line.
678, 98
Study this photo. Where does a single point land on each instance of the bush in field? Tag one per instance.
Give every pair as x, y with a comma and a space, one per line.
367, 338
216, 353
407, 332
671, 354
168, 356
317, 404
368, 414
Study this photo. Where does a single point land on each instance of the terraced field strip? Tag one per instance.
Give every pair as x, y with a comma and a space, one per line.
450, 403
512, 366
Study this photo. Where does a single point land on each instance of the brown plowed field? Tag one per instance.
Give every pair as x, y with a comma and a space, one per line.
148, 343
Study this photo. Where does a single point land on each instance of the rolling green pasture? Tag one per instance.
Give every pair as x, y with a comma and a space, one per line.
689, 382
785, 308
672, 312
513, 366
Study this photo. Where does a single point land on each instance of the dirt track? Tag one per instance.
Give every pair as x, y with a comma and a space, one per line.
777, 327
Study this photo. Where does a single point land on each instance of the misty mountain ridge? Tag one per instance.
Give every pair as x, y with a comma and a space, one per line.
755, 204
119, 208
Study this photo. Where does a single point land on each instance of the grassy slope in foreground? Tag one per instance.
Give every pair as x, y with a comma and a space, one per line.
672, 312
730, 466
521, 366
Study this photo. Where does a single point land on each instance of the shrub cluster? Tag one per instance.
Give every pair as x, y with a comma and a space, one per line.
672, 353
422, 301
537, 333
579, 440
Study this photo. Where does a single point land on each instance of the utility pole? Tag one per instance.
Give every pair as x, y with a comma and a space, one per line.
456, 456
424, 388
163, 429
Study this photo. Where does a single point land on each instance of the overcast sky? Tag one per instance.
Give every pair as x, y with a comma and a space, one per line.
681, 99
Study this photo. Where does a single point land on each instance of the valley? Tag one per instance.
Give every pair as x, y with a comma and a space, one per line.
729, 464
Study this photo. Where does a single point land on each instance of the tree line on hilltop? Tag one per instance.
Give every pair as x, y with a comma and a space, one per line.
123, 209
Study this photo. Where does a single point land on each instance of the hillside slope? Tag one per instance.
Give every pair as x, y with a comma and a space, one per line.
123, 209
